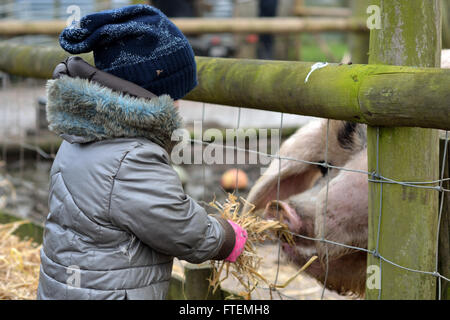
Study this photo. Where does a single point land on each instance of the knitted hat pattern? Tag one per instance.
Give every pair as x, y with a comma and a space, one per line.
137, 43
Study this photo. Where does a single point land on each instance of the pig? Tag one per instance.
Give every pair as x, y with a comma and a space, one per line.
302, 201
298, 196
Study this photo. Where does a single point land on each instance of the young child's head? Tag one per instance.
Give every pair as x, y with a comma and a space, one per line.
137, 43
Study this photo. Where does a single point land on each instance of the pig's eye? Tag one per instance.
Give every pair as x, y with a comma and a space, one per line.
323, 169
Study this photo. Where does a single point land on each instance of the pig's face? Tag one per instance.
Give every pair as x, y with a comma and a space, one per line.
339, 215
309, 144
302, 196
345, 221
297, 215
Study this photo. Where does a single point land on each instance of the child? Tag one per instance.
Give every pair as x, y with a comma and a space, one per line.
118, 213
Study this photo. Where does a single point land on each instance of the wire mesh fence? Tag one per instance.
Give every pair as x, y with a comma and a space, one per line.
373, 177
27, 151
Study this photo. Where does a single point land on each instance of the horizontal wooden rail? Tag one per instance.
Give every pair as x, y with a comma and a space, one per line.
207, 25
322, 11
378, 95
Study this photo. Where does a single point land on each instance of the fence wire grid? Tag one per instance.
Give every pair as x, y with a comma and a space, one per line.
373, 177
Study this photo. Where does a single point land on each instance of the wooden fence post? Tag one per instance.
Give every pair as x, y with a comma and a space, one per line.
196, 286
410, 34
444, 230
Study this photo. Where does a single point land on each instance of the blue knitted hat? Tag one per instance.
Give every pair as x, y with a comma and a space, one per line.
137, 43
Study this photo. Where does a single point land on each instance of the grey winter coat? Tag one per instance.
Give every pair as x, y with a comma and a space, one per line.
118, 213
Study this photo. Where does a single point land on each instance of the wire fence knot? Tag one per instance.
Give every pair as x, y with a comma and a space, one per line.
375, 175
376, 254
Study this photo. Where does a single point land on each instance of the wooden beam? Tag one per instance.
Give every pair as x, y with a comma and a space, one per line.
207, 25
322, 11
408, 225
373, 94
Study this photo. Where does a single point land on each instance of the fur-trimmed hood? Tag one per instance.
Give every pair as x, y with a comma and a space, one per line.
82, 111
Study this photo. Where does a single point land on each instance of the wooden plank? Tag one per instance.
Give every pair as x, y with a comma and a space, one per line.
284, 25
176, 287
196, 286
373, 94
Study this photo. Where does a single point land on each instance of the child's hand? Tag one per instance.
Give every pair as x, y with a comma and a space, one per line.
241, 239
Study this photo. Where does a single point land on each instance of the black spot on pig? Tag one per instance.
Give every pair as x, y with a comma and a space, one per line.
323, 169
346, 135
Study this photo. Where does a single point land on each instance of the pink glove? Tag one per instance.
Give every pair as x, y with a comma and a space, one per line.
241, 239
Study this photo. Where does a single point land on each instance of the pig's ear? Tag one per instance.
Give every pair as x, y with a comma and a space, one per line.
309, 144
295, 177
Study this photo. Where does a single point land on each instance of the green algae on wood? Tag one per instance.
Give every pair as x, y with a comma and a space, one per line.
374, 94
32, 61
343, 92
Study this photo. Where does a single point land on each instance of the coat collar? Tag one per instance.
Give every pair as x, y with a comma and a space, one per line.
82, 111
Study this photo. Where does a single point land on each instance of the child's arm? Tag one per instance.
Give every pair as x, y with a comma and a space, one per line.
148, 200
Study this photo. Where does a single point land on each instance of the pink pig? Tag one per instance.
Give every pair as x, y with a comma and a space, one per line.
303, 203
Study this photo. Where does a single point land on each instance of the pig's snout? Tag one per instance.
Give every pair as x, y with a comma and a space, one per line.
279, 210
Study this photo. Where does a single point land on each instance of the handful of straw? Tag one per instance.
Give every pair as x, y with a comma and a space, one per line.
19, 265
245, 269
